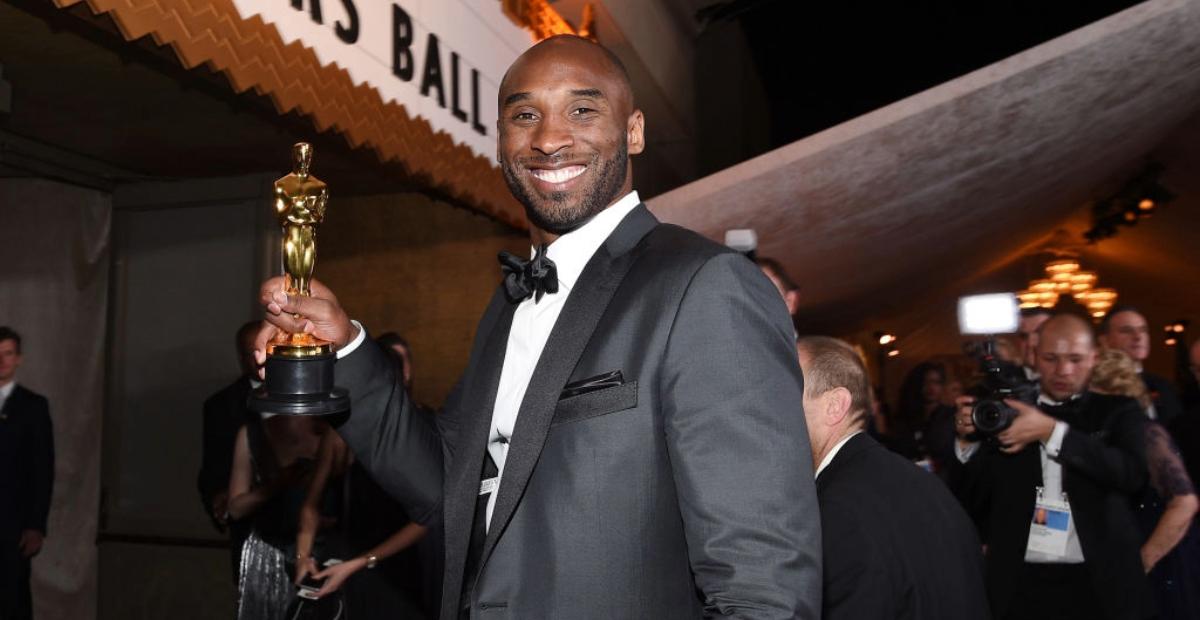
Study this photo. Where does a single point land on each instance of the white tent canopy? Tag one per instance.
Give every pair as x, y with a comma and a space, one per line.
886, 215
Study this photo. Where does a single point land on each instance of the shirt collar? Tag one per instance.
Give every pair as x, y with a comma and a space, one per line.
832, 453
572, 251
7, 390
1044, 399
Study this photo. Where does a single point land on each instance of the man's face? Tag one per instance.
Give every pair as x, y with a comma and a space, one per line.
1129, 332
567, 129
1065, 358
1027, 337
9, 360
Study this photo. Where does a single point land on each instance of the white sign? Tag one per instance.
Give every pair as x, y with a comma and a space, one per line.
441, 59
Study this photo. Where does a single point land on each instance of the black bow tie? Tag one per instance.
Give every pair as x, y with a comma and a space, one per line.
523, 278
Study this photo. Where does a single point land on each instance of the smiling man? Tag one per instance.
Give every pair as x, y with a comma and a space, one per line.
624, 442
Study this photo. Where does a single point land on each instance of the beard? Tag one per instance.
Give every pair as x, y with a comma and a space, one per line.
555, 212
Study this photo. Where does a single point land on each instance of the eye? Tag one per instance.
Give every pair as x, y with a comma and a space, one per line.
524, 117
582, 111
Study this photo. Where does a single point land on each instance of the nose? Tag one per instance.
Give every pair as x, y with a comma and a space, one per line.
552, 135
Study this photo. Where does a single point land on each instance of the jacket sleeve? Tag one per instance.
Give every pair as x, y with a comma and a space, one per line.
1117, 460
399, 447
738, 444
41, 473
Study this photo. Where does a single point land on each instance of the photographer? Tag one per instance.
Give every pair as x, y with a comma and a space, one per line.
1051, 492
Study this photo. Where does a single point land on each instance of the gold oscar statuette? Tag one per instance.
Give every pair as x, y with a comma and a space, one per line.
299, 367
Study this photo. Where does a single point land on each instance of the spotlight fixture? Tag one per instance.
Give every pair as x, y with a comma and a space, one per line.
1140, 198
886, 339
893, 353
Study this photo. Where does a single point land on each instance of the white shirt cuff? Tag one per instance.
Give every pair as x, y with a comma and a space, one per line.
1054, 444
965, 452
353, 344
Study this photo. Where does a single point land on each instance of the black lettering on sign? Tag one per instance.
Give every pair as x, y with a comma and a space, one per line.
348, 34
402, 38
431, 77
455, 109
475, 124
314, 9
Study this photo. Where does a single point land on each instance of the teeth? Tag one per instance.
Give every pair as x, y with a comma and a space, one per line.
562, 175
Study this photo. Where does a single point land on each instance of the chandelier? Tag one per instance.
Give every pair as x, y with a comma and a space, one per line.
1065, 276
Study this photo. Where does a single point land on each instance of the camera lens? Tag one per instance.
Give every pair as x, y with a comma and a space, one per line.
991, 416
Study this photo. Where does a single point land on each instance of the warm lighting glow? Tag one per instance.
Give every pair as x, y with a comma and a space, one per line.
887, 339
1146, 204
1170, 342
1028, 298
1062, 266
1043, 286
1082, 281
1048, 299
893, 352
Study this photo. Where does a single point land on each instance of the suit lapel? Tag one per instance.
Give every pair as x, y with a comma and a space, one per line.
462, 482
586, 305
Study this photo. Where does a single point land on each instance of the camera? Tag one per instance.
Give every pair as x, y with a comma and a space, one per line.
989, 314
1001, 380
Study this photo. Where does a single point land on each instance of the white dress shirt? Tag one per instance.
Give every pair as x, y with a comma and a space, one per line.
6, 391
832, 453
531, 325
533, 320
1052, 490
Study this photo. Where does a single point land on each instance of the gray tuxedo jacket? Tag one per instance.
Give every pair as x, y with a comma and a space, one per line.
682, 488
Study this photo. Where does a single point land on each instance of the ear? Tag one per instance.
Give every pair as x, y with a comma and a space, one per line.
635, 132
837, 405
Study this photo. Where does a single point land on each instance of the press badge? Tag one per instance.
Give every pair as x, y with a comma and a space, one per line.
1051, 526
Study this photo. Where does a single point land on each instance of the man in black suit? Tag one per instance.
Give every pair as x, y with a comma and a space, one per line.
624, 442
224, 413
26, 479
1052, 494
896, 543
1125, 329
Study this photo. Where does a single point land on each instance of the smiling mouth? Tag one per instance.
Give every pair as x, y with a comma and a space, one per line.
560, 175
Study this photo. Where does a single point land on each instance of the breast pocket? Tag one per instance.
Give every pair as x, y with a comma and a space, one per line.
596, 403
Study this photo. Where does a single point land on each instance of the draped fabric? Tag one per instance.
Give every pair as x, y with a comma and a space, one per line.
54, 270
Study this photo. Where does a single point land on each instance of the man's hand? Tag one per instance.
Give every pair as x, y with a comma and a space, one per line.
220, 510
1029, 426
30, 543
964, 426
319, 315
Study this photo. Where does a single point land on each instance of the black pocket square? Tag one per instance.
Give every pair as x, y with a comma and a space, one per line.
591, 384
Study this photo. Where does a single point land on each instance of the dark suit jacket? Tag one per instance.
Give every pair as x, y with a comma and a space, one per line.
1167, 406
26, 464
1104, 467
224, 413
685, 490
897, 544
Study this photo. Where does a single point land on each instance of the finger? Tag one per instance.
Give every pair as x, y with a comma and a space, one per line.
285, 322
278, 283
321, 574
266, 332
312, 308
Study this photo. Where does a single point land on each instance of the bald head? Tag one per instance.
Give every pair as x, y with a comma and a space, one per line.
1066, 354
573, 50
567, 127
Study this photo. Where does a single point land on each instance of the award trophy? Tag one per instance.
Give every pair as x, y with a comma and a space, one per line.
299, 367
